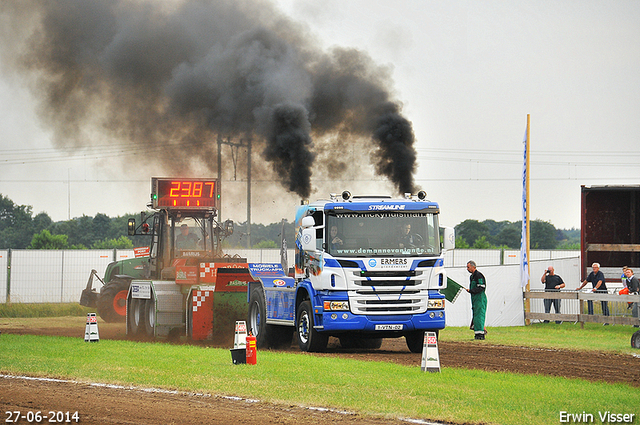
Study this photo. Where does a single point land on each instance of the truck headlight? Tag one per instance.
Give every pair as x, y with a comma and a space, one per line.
336, 306
435, 304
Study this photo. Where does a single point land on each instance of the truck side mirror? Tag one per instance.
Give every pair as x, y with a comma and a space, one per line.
307, 222
131, 226
228, 227
449, 239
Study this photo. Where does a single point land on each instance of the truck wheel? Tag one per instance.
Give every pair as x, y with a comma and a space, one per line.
136, 315
258, 317
112, 301
415, 340
308, 338
635, 339
267, 336
150, 317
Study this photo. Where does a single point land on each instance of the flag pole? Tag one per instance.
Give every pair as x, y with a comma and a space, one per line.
527, 148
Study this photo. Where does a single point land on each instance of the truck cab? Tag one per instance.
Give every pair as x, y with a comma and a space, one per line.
366, 268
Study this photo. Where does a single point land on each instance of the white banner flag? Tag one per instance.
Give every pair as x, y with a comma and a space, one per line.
524, 243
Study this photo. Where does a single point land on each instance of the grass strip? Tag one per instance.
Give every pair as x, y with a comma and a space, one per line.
373, 388
14, 310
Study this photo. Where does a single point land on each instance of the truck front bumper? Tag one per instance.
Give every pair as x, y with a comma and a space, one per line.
345, 321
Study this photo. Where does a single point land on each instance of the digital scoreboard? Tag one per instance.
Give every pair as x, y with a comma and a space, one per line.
184, 193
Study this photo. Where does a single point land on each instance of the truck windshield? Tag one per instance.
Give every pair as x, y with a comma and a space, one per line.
382, 234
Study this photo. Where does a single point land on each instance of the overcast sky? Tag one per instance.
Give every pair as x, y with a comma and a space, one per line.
467, 74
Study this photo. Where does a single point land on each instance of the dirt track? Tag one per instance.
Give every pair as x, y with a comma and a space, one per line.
100, 405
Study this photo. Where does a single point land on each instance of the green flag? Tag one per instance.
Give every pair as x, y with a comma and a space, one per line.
452, 290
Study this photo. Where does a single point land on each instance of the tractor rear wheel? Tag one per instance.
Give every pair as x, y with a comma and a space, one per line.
112, 301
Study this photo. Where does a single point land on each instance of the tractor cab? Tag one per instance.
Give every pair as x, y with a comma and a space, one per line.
182, 239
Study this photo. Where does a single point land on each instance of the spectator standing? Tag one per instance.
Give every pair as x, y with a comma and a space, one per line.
624, 276
634, 288
596, 277
552, 283
477, 288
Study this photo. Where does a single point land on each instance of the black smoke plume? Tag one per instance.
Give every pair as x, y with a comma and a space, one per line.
172, 76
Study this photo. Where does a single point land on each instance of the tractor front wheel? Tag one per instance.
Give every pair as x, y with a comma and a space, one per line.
112, 301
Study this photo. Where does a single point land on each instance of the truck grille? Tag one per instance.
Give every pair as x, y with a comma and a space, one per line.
388, 292
385, 283
378, 305
392, 273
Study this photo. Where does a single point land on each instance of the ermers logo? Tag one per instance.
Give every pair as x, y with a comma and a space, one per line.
372, 262
393, 262
386, 207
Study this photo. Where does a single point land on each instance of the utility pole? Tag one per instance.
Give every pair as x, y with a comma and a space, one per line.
219, 175
236, 145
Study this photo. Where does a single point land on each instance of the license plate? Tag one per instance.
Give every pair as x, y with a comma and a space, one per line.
388, 327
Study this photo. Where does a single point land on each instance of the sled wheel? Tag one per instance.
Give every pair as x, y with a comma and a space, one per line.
150, 317
136, 316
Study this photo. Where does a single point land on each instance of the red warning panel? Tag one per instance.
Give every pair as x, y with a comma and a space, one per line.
227, 277
202, 315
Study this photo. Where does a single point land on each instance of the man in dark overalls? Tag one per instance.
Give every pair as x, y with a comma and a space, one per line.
477, 288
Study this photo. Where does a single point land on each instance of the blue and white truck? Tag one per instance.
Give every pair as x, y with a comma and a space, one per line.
366, 268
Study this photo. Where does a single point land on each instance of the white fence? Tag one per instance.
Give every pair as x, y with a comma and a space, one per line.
504, 289
52, 276
3, 276
39, 276
59, 276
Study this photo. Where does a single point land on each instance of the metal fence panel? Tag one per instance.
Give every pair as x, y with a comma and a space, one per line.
484, 257
77, 265
53, 276
36, 276
4, 256
504, 297
123, 254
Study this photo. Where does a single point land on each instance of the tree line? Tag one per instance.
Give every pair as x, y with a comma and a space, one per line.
21, 229
491, 234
